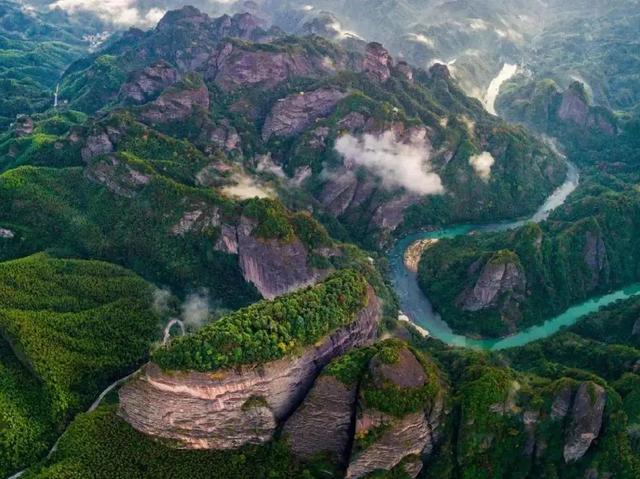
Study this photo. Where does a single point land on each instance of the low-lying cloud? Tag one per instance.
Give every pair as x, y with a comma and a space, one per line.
482, 164
122, 13
397, 164
196, 309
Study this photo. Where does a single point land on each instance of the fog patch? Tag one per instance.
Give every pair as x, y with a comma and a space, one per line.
246, 188
420, 38
124, 13
161, 301
482, 164
397, 164
196, 309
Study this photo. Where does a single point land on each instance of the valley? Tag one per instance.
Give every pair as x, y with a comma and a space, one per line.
278, 239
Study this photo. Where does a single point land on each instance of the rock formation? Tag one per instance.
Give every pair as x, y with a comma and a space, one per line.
575, 108
144, 85
323, 423
229, 408
377, 62
297, 112
177, 103
501, 275
586, 420
272, 266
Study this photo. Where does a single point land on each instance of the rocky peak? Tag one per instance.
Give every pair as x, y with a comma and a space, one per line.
186, 16
405, 70
377, 62
234, 407
23, 126
440, 71
295, 113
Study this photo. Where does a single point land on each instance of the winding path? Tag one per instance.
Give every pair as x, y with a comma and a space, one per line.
417, 307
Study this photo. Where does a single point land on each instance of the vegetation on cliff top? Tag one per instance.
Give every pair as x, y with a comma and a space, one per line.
269, 330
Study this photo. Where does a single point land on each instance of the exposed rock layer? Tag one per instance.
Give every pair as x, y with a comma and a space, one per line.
229, 408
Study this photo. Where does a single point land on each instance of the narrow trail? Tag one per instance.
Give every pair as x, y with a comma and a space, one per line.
108, 389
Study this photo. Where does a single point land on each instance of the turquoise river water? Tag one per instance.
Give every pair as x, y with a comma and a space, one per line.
417, 307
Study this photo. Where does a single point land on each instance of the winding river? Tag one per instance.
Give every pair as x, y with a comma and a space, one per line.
417, 307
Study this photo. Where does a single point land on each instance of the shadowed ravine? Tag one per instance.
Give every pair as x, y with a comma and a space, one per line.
418, 308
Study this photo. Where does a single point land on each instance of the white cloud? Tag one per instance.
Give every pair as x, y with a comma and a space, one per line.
482, 164
123, 13
397, 164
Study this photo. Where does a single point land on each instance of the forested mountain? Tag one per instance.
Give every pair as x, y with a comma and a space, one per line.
238, 181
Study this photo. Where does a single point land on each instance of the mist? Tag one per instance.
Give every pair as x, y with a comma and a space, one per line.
397, 164
196, 309
482, 164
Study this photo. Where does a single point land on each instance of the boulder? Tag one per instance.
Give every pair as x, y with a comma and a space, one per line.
229, 408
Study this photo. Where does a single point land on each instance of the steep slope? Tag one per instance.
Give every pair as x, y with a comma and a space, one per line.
500, 283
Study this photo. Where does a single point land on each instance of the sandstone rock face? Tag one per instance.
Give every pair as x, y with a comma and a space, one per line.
146, 84
322, 424
408, 436
227, 409
176, 105
575, 108
274, 268
496, 279
296, 112
586, 420
595, 256
96, 145
413, 434
121, 179
561, 403
377, 62
233, 67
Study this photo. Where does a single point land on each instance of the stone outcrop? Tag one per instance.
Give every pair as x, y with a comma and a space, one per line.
177, 103
497, 278
23, 126
272, 266
586, 420
377, 62
322, 424
414, 434
595, 256
229, 408
147, 84
295, 113
117, 176
575, 108
233, 67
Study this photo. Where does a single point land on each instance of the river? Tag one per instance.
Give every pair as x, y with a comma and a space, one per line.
507, 72
417, 307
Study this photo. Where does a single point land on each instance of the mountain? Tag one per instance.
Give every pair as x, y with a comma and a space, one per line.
193, 248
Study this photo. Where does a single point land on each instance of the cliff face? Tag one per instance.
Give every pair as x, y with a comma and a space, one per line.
575, 108
227, 409
296, 112
273, 267
586, 420
340, 418
502, 284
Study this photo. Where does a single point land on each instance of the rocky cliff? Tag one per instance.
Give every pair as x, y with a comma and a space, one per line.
229, 408
351, 412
